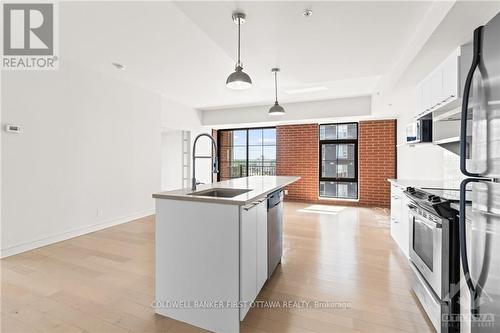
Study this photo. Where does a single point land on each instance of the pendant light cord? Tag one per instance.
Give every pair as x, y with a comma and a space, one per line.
239, 37
276, 86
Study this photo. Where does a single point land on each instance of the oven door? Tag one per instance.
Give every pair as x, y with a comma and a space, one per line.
426, 249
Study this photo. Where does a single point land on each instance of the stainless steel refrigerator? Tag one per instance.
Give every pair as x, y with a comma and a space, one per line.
480, 161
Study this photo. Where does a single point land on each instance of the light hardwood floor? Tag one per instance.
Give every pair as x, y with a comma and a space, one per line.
104, 281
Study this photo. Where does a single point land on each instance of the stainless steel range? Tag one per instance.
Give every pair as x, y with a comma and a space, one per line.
435, 256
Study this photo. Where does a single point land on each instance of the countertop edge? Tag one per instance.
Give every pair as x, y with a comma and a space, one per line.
226, 201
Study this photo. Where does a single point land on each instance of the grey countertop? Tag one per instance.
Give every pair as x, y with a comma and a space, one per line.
259, 187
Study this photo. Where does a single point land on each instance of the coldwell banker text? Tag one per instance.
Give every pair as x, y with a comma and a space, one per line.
29, 36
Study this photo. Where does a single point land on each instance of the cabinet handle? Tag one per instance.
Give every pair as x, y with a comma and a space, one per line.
253, 204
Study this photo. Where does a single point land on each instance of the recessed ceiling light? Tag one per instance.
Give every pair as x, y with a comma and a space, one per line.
307, 13
118, 66
305, 90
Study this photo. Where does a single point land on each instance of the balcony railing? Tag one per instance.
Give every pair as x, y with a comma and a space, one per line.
237, 171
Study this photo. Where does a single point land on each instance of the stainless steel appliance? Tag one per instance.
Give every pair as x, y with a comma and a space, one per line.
419, 131
274, 230
480, 161
434, 256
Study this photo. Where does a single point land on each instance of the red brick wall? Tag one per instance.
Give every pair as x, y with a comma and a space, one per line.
297, 155
226, 141
377, 161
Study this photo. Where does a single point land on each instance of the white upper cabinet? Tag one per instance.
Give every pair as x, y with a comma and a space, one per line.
441, 88
450, 89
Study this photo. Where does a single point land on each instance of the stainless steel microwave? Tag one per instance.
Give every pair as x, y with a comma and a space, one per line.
419, 131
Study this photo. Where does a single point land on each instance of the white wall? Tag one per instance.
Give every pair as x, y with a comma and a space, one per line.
171, 160
176, 116
303, 111
88, 157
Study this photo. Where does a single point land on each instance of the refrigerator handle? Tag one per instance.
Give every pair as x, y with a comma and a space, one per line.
462, 229
465, 102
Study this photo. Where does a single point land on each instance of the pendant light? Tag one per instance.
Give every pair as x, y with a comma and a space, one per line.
238, 79
276, 109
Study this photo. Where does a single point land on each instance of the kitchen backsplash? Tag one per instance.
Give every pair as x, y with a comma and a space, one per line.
451, 169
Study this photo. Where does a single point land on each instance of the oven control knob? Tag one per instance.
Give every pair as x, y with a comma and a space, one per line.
410, 189
436, 199
430, 196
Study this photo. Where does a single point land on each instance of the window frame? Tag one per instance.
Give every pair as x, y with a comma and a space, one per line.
247, 145
339, 179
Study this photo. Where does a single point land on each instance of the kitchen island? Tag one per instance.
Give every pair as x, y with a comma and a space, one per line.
211, 250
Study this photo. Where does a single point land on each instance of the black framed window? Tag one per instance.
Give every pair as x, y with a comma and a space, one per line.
247, 151
338, 165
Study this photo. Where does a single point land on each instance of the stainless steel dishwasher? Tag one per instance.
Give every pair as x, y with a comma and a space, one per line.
274, 230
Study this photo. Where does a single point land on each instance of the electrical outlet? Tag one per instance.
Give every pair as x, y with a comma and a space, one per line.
286, 192
13, 129
99, 212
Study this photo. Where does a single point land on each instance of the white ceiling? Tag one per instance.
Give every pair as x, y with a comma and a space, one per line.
185, 50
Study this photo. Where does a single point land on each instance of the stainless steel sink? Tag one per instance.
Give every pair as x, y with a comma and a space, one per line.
220, 192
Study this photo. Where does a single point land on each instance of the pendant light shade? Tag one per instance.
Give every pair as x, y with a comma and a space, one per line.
276, 109
238, 79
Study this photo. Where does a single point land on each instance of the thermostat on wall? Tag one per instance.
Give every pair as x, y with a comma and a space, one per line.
13, 129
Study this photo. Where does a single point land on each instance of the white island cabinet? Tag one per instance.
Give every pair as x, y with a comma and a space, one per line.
211, 251
253, 252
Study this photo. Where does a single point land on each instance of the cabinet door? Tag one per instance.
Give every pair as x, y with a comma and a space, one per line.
248, 258
436, 88
396, 194
426, 95
261, 244
405, 226
420, 104
450, 79
396, 231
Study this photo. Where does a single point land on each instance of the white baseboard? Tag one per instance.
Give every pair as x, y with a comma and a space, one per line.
27, 246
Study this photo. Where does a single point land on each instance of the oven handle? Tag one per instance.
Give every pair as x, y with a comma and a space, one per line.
427, 222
